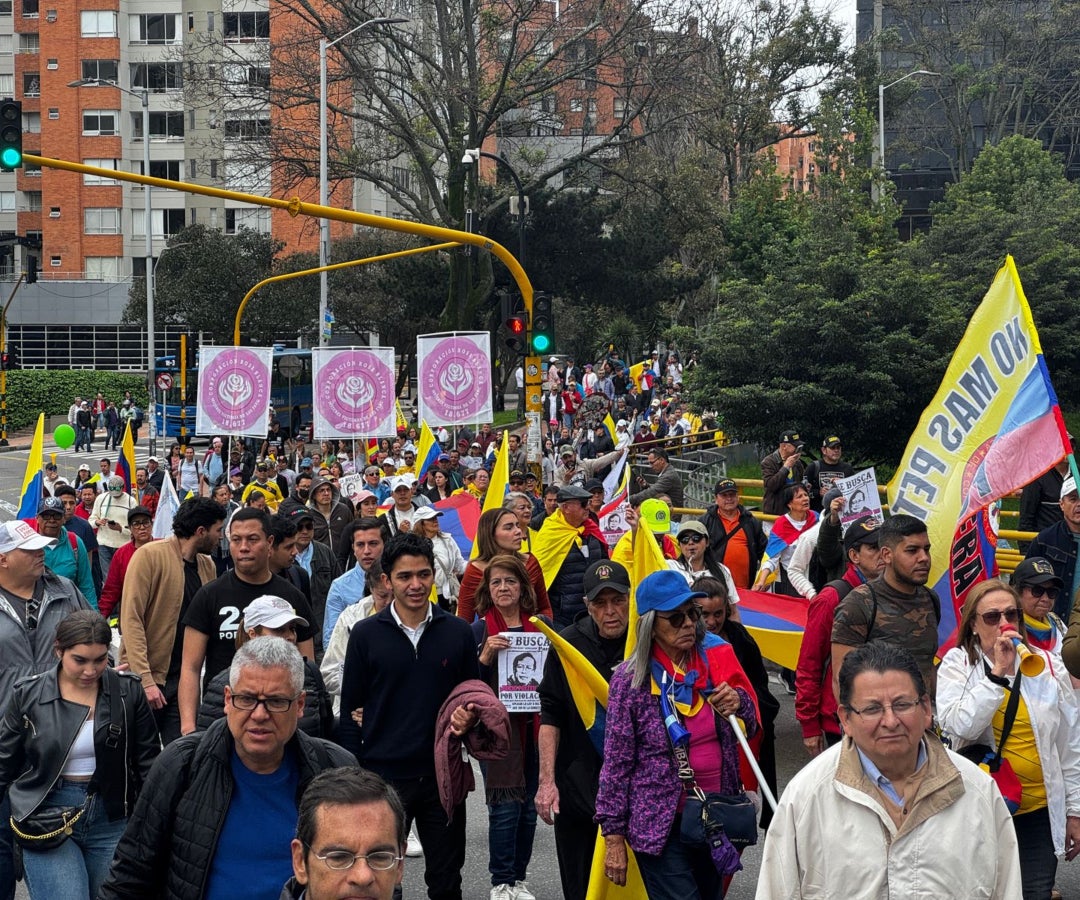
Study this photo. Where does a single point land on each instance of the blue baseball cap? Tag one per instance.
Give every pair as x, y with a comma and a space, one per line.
664, 591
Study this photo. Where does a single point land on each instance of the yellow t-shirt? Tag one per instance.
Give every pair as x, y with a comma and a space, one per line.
1022, 752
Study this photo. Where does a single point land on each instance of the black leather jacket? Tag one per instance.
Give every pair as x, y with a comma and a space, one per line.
40, 726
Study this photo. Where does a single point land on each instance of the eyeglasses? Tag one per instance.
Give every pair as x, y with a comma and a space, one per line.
995, 615
691, 538
874, 711
139, 524
247, 703
678, 619
1038, 591
340, 860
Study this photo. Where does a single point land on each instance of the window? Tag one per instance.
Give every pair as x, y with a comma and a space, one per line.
30, 9
254, 219
29, 43
213, 168
54, 112
32, 122
54, 212
247, 129
31, 170
7, 198
246, 26
165, 168
619, 108
249, 76
401, 177
101, 164
246, 176
590, 106
575, 104
154, 28
7, 47
193, 168
107, 70
98, 23
5, 7
163, 222
102, 268
7, 85
164, 126
100, 121
33, 201
101, 220
31, 84
157, 77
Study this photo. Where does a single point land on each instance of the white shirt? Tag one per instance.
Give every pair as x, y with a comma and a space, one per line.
413, 634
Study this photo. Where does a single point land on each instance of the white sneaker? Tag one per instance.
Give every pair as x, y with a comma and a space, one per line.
521, 891
503, 892
412, 846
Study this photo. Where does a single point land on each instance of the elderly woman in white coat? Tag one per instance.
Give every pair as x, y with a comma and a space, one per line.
1043, 746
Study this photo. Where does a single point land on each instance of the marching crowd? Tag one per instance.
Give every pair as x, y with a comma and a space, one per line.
306, 661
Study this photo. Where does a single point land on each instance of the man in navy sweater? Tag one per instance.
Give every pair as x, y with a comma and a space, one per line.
400, 666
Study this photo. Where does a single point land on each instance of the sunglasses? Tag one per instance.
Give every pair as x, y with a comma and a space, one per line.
1038, 591
678, 619
691, 538
995, 616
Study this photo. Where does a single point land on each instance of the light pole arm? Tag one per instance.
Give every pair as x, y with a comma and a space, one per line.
520, 192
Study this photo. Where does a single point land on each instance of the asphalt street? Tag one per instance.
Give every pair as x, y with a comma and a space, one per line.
543, 873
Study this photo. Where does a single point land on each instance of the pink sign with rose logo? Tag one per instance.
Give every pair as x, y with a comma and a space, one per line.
453, 375
353, 392
234, 391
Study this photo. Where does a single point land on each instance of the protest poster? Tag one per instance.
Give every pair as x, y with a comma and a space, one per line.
521, 666
861, 493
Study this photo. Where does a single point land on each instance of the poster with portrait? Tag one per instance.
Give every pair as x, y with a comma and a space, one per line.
234, 391
521, 666
453, 378
353, 392
863, 499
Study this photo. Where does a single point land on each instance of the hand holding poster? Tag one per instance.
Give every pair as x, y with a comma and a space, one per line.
520, 667
861, 496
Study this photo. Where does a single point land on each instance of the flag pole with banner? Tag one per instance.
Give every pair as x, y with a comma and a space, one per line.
453, 377
234, 391
993, 426
353, 391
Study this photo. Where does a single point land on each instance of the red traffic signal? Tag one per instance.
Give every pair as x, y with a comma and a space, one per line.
516, 325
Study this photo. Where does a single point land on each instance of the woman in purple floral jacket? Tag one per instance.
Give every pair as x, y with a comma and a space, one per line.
641, 798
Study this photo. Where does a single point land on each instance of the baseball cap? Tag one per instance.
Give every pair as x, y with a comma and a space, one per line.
389, 462
50, 505
475, 444
1036, 570
724, 485
444, 457
663, 591
305, 463
139, 511
344, 457
301, 512
566, 450
791, 437
271, 612
84, 467
530, 476
426, 512
656, 515
50, 467
360, 496
153, 459
604, 573
517, 475
262, 464
593, 485
572, 492
18, 535
693, 526
864, 530
831, 440
1068, 486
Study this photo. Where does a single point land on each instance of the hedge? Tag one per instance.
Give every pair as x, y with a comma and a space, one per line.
32, 391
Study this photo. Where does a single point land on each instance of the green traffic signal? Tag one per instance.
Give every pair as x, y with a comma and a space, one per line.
10, 158
541, 343
11, 137
542, 339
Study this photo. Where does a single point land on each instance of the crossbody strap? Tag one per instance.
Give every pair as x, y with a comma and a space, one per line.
1010, 717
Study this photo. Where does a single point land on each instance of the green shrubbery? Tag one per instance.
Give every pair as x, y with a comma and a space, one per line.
33, 391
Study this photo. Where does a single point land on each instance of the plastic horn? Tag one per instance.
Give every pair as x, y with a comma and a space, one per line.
1031, 664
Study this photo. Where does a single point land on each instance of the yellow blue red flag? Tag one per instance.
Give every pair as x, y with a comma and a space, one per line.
33, 479
993, 426
125, 462
428, 451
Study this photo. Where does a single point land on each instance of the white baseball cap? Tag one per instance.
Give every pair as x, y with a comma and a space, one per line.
271, 612
426, 512
1068, 486
19, 535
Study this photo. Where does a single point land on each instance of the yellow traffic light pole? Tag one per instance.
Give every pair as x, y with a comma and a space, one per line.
297, 207
286, 276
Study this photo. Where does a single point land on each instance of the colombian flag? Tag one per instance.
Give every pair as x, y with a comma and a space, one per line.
993, 426
33, 479
428, 451
460, 513
776, 622
125, 462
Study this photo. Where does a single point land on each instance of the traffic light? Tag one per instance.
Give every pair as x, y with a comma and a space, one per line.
9, 359
516, 329
543, 325
11, 136
31, 269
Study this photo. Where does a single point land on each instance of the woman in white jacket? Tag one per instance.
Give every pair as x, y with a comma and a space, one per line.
1043, 747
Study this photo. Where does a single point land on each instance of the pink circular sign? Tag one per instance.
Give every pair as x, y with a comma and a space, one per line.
238, 394
455, 382
355, 394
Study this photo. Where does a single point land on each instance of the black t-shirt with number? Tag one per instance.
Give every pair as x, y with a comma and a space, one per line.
218, 608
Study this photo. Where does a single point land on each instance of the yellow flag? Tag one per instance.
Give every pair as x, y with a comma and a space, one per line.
497, 487
648, 558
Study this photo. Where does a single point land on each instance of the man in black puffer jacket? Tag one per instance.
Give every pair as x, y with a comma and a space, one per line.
219, 809
567, 590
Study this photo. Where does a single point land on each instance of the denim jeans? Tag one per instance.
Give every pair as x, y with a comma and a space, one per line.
680, 871
77, 868
512, 826
1038, 864
83, 436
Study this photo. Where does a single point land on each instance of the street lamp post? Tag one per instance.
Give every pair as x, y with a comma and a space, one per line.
881, 89
148, 248
472, 155
324, 186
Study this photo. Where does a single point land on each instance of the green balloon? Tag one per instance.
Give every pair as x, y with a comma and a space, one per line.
64, 436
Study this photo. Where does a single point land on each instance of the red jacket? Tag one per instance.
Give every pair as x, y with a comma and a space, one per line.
815, 703
488, 740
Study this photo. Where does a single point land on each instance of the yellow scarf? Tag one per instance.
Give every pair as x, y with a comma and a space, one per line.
552, 542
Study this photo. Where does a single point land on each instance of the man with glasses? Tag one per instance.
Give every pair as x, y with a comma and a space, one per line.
569, 762
349, 838
141, 522
916, 818
1058, 544
896, 608
67, 556
668, 480
33, 601
217, 813
735, 536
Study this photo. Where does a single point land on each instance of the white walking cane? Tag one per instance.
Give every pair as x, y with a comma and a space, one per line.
737, 728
